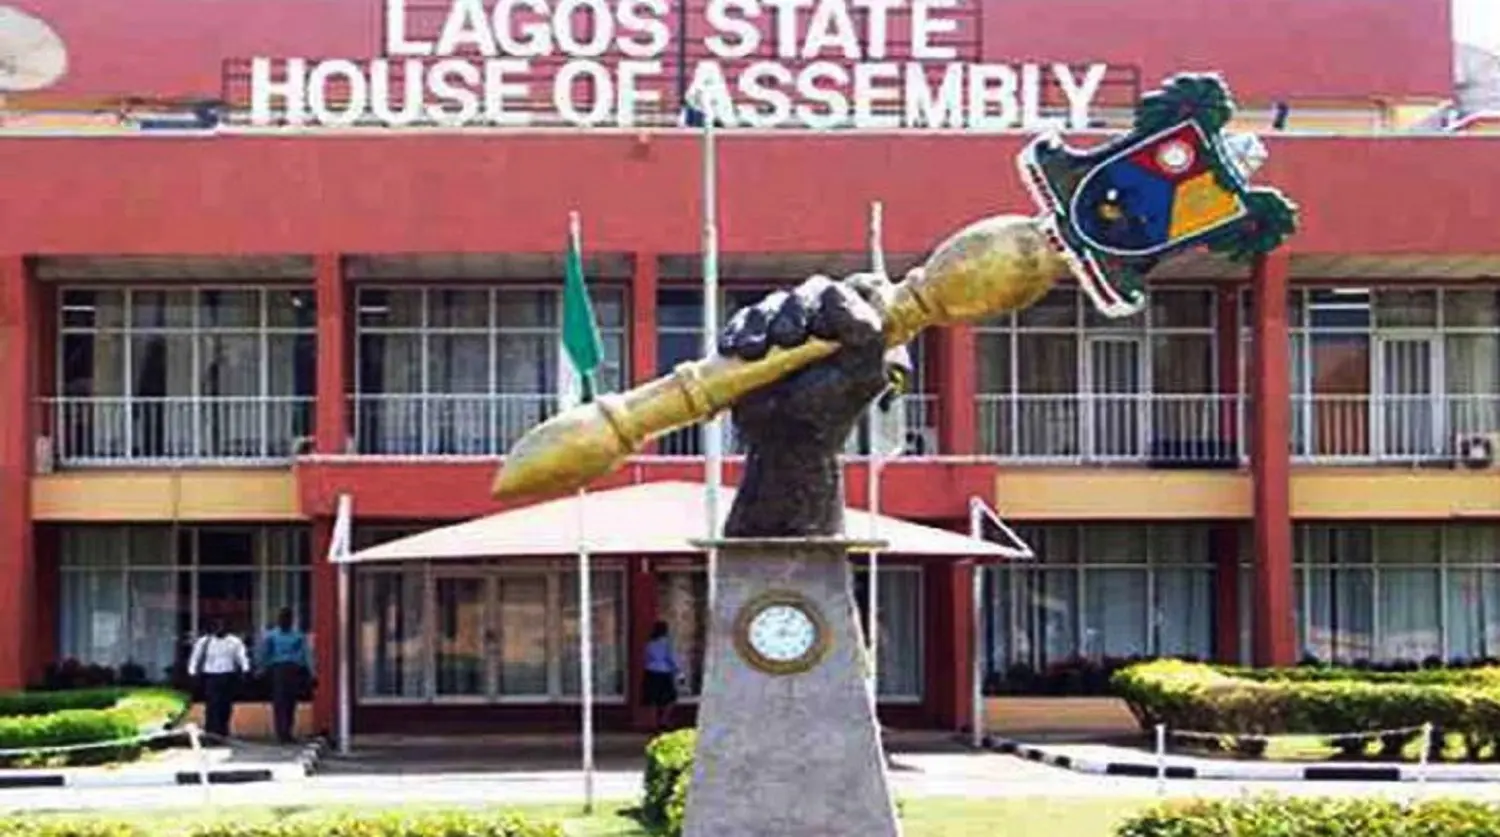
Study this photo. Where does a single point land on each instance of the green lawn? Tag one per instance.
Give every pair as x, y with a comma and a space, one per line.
926, 817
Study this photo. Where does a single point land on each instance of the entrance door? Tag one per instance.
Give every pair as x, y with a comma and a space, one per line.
1115, 426
461, 645
522, 630
1407, 411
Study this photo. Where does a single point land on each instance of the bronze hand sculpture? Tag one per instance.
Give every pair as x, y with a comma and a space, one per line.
795, 428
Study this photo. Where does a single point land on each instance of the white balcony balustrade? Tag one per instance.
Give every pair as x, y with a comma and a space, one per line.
95, 431
1171, 430
920, 427
446, 425
1416, 429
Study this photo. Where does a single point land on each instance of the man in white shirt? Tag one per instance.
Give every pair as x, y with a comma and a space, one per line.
219, 658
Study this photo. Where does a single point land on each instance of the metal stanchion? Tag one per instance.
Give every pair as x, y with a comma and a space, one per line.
1161, 760
195, 739
1423, 758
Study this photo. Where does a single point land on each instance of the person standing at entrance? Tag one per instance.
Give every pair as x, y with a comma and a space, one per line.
219, 658
660, 683
284, 656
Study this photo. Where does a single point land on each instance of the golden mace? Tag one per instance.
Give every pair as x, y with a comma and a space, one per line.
994, 266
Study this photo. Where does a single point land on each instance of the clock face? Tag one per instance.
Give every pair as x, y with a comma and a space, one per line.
782, 633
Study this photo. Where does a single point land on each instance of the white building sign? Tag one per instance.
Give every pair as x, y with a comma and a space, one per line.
828, 71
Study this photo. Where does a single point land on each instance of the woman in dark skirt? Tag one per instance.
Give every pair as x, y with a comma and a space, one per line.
660, 684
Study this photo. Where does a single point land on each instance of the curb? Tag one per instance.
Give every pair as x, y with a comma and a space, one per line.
1146, 768
306, 764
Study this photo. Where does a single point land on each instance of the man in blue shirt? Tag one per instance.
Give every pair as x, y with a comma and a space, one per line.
284, 655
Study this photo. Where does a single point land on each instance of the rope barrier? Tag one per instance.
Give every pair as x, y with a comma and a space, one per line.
1253, 736
188, 731
96, 745
1423, 753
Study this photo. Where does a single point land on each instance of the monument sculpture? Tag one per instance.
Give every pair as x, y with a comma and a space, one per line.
788, 741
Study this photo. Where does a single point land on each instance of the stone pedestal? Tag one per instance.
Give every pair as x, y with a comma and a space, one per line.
789, 754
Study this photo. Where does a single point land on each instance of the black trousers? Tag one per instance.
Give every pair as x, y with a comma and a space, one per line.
218, 698
286, 684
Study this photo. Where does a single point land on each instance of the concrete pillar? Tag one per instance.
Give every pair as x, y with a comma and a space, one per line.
1275, 631
331, 437
19, 351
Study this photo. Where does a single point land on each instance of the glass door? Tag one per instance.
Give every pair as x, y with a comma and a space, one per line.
1408, 396
1115, 383
522, 631
461, 645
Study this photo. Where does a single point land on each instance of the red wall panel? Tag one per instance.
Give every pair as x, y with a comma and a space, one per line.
788, 193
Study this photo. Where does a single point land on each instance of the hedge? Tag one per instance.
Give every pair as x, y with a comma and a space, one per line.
451, 824
1315, 701
1324, 817
669, 769
35, 720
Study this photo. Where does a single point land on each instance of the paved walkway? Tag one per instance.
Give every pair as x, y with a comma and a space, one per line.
494, 772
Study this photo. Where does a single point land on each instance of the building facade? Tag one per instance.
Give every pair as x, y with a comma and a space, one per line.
207, 339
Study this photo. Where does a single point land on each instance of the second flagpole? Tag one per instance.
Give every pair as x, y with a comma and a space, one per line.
713, 429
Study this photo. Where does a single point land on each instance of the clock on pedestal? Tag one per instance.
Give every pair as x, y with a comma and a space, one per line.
781, 633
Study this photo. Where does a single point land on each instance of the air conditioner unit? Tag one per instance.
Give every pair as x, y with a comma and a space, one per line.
45, 456
1476, 451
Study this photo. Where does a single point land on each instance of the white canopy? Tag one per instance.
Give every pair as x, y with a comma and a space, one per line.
657, 518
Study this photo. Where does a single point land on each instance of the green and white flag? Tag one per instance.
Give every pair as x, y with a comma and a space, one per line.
580, 331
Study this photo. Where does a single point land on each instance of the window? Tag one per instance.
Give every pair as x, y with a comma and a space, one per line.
898, 646
1397, 592
1102, 591
1058, 382
467, 371
1391, 374
135, 595
205, 373
682, 602
486, 633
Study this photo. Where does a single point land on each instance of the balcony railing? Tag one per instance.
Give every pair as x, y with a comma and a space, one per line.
1389, 428
446, 425
920, 423
206, 429
1168, 430
1164, 430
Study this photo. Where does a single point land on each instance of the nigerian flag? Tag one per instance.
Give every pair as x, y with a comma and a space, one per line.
580, 332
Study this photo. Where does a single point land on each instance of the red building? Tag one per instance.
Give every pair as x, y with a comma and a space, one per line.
208, 336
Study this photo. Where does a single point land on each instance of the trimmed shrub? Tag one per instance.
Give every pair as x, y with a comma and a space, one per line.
65, 719
1324, 817
449, 824
67, 828
1314, 701
676, 813
42, 703
669, 768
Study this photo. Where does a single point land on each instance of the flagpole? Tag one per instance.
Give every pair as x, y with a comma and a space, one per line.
713, 429
872, 589
586, 652
343, 531
976, 656
585, 590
